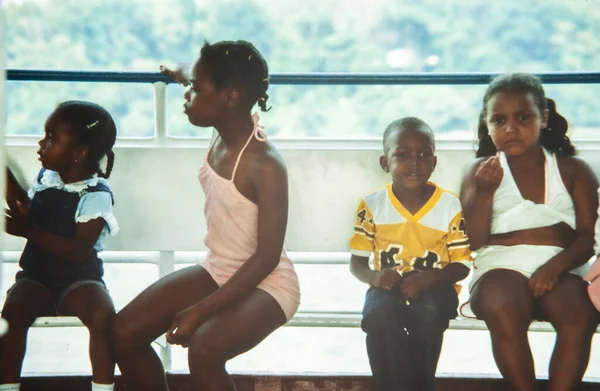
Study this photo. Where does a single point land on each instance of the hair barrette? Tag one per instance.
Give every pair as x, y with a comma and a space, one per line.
250, 57
227, 52
266, 79
92, 125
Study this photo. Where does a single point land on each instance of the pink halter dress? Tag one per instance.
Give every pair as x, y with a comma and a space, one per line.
232, 222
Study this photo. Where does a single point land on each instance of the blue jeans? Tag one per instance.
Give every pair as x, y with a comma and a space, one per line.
404, 341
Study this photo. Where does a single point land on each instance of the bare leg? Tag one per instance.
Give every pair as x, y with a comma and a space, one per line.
503, 300
570, 311
147, 317
25, 302
92, 304
233, 331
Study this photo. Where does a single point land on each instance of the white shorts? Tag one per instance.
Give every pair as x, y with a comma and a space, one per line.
524, 258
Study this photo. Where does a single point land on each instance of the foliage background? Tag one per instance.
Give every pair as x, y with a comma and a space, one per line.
307, 36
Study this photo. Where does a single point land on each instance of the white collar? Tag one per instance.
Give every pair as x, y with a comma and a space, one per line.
51, 179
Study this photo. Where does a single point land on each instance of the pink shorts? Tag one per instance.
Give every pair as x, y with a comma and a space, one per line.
281, 284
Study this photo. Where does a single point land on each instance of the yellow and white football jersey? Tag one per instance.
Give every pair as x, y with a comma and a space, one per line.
431, 238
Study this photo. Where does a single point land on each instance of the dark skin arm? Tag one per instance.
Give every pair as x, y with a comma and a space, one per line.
383, 279
180, 74
584, 194
72, 249
477, 197
14, 192
268, 177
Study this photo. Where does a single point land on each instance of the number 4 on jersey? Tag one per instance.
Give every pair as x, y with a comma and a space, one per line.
389, 257
430, 260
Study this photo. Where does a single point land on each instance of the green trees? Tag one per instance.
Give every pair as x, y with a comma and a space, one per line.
308, 36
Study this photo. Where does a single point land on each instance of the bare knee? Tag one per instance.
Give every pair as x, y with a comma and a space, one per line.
123, 337
570, 310
578, 322
505, 314
504, 302
206, 351
99, 320
19, 317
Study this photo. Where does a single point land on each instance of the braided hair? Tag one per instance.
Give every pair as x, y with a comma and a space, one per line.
94, 128
553, 137
238, 64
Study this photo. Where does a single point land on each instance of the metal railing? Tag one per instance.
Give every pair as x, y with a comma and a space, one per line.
416, 78
161, 137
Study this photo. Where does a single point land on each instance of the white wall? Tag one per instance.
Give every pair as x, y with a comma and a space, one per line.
159, 202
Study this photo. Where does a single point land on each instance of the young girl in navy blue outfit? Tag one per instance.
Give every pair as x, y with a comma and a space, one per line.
65, 217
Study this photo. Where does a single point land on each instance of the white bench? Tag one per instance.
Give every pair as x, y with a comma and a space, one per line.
343, 319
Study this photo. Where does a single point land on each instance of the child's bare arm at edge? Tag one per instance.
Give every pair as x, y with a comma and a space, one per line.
180, 73
268, 176
585, 198
14, 191
383, 279
73, 249
477, 198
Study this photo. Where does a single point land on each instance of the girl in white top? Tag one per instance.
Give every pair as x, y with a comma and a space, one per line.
512, 212
530, 208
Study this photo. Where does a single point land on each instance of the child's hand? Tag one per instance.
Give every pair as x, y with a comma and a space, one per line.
544, 279
489, 174
20, 206
179, 74
17, 222
184, 325
386, 278
415, 284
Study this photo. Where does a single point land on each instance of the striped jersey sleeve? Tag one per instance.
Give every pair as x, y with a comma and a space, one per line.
458, 241
362, 240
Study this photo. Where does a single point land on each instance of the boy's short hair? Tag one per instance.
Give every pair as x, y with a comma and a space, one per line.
408, 122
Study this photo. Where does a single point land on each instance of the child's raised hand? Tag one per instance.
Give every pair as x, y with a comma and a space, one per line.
21, 206
489, 174
17, 222
179, 74
386, 278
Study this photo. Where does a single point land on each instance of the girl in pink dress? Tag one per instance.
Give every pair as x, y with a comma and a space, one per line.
247, 287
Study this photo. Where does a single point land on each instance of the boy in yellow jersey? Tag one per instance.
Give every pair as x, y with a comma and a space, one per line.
416, 232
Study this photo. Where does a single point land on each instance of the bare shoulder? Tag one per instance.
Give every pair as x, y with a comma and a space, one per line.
267, 161
574, 168
471, 169
572, 163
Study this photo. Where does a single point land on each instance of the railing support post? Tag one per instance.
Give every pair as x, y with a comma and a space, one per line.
166, 265
160, 111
